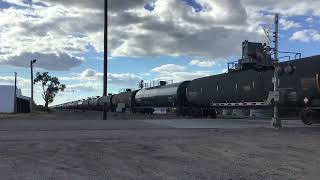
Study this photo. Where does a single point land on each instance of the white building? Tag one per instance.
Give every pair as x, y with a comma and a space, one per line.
7, 100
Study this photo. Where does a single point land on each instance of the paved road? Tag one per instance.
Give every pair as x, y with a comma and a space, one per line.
70, 120
47, 125
48, 147
222, 123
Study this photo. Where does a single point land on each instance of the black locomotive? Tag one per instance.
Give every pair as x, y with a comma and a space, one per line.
247, 84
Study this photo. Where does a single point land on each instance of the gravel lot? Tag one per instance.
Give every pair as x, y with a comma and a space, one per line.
58, 146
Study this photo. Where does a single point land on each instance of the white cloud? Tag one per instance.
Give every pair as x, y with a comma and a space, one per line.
287, 8
287, 24
85, 75
84, 4
91, 74
145, 74
58, 62
9, 80
96, 40
121, 80
88, 73
174, 28
58, 31
168, 68
17, 2
202, 63
83, 87
124, 80
309, 20
177, 73
306, 35
183, 76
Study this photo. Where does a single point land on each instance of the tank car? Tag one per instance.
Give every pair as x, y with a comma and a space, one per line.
105, 100
93, 104
251, 85
69, 105
163, 96
79, 104
85, 104
123, 101
72, 105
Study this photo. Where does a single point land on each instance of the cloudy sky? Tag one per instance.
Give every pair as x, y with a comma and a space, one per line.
148, 39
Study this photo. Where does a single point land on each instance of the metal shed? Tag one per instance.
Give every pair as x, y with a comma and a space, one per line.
7, 100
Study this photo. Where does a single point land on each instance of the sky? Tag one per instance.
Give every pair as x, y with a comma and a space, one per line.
173, 40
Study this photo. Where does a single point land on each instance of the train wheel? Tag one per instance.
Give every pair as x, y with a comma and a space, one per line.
306, 117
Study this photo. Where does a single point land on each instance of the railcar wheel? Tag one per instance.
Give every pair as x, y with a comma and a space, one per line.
306, 117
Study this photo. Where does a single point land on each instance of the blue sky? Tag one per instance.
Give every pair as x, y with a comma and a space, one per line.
148, 39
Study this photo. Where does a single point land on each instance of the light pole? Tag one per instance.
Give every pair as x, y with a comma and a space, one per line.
15, 92
105, 76
31, 66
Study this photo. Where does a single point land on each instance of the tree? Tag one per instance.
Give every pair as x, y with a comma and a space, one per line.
50, 86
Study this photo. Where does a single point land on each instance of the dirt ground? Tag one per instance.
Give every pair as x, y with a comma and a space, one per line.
84, 115
51, 147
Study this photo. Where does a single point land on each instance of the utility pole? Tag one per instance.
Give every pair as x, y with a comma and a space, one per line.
105, 75
31, 100
15, 92
276, 122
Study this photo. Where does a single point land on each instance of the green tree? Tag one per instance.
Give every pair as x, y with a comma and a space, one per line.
50, 86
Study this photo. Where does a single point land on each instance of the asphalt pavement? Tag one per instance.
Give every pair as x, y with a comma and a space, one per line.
79, 145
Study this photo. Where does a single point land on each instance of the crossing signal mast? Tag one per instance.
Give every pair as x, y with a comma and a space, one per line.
276, 122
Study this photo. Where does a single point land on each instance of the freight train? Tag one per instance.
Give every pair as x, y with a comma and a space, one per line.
247, 84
